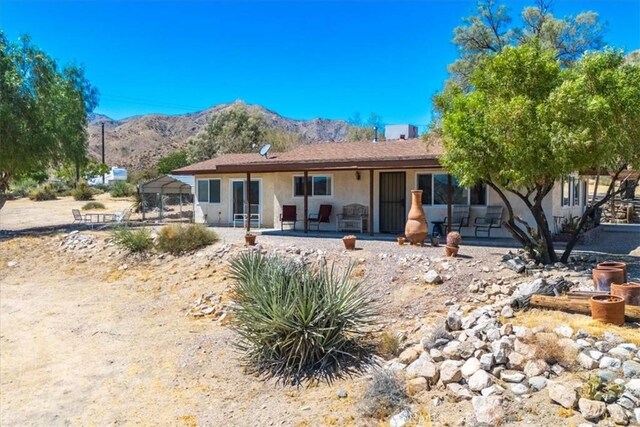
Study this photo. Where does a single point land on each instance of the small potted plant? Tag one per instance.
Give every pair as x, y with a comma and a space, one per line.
250, 239
401, 240
349, 242
453, 243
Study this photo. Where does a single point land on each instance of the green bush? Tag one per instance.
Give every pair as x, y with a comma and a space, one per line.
82, 192
138, 240
177, 238
22, 187
44, 192
121, 189
93, 205
296, 323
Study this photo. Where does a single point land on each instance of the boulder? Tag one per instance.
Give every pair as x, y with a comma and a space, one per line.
417, 385
610, 363
494, 389
562, 393
480, 380
564, 331
450, 371
595, 354
512, 376
423, 367
409, 355
458, 392
470, 367
516, 264
516, 361
592, 409
432, 277
534, 368
631, 369
633, 387
486, 361
518, 389
488, 410
454, 321
400, 419
452, 350
436, 355
621, 353
618, 414
537, 383
586, 362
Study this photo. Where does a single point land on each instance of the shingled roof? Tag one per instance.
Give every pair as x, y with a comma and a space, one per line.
412, 153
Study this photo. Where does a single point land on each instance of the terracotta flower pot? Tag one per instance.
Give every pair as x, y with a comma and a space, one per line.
603, 277
401, 241
451, 250
416, 227
615, 264
608, 309
250, 239
629, 291
349, 242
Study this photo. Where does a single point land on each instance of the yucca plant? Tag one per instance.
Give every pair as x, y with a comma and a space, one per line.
296, 323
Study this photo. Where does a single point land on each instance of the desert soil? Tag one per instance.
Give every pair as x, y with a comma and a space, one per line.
98, 337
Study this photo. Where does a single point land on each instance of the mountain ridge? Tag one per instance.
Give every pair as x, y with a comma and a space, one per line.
137, 142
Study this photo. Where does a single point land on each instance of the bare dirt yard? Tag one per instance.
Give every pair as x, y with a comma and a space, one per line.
90, 335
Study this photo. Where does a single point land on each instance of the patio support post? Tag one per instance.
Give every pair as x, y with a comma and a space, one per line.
141, 194
247, 190
306, 202
370, 202
449, 197
161, 206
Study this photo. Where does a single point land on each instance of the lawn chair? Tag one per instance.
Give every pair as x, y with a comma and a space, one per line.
492, 219
77, 217
118, 217
459, 218
322, 216
288, 215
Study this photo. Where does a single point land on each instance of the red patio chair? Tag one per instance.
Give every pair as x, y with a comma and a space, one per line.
322, 216
288, 215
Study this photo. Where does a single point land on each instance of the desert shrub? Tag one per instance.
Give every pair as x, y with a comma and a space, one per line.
385, 395
551, 351
22, 187
134, 240
93, 205
121, 189
597, 389
43, 192
389, 344
297, 323
82, 192
177, 238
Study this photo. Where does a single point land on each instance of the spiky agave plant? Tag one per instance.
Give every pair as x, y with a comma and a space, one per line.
296, 323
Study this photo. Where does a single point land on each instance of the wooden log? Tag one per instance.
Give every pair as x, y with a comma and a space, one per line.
584, 294
583, 306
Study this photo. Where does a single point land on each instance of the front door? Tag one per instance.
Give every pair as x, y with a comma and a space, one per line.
238, 202
392, 202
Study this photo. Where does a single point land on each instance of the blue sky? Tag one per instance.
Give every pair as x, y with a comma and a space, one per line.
302, 59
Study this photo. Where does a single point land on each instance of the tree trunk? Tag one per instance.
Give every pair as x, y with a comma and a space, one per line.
544, 237
510, 224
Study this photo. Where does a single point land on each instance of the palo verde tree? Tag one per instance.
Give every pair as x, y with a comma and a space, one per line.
43, 111
524, 122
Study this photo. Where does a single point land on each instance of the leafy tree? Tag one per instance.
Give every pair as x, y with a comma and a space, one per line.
360, 131
490, 30
84, 169
43, 111
526, 122
175, 160
237, 129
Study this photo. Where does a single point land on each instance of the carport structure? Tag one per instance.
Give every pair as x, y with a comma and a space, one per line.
164, 185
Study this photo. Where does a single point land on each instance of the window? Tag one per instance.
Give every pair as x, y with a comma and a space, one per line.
564, 193
576, 191
478, 194
425, 184
316, 186
209, 191
460, 195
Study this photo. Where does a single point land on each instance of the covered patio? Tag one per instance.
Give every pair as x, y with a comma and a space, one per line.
159, 187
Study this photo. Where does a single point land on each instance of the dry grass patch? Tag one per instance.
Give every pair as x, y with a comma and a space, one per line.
549, 349
389, 344
550, 319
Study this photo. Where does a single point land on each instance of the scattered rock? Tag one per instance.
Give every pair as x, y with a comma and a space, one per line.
408, 355
633, 387
617, 414
470, 367
507, 312
631, 369
620, 352
564, 331
417, 385
480, 380
459, 392
595, 354
432, 277
512, 376
486, 361
534, 368
450, 372
342, 393
516, 264
423, 367
538, 383
400, 419
610, 363
586, 362
494, 389
488, 410
592, 409
519, 389
516, 361
12, 264
562, 393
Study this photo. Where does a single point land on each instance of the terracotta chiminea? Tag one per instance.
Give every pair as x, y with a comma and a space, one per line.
416, 227
615, 264
603, 277
629, 291
608, 309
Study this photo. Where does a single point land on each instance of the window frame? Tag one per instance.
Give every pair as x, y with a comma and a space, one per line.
562, 193
311, 177
208, 192
433, 183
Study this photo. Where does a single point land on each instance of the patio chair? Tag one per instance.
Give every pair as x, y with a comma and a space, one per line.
288, 215
459, 218
321, 217
491, 219
78, 218
118, 217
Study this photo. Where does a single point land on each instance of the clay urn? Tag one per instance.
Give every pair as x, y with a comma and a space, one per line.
603, 277
615, 264
629, 291
608, 309
416, 227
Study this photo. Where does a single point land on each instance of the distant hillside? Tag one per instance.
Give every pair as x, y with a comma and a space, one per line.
139, 141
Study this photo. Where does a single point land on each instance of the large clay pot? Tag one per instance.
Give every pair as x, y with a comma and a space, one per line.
629, 291
608, 309
416, 227
603, 277
615, 264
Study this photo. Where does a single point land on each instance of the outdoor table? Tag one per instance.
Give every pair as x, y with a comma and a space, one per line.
98, 216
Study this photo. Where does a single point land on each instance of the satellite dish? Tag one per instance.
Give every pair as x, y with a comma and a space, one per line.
265, 150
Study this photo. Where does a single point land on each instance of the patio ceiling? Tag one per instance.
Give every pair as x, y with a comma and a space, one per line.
165, 184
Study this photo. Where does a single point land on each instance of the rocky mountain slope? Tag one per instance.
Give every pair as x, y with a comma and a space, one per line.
137, 142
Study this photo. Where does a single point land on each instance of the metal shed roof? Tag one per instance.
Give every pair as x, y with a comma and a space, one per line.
165, 184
